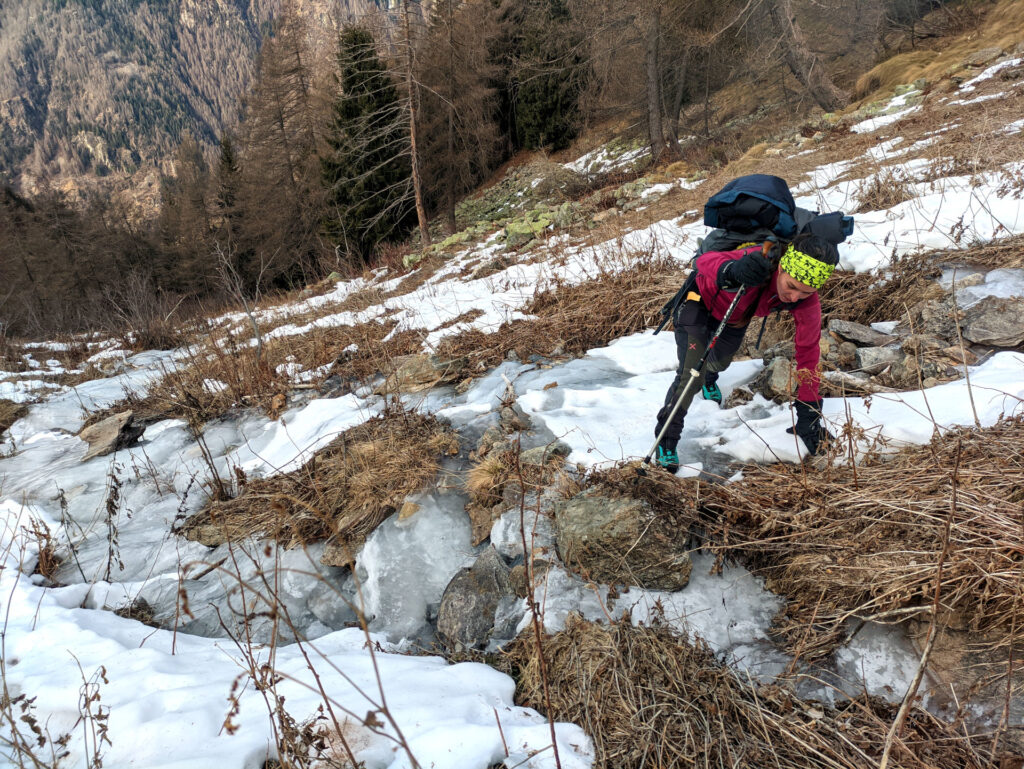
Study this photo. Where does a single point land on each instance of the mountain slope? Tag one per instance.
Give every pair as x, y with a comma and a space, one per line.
101, 87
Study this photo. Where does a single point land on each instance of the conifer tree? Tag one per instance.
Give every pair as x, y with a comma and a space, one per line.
460, 142
367, 172
542, 55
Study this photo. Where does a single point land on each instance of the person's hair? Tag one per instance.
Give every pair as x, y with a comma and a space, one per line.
817, 247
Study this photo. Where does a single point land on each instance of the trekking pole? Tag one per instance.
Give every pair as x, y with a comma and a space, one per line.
694, 375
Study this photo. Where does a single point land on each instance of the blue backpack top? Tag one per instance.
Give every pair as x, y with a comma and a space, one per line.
753, 203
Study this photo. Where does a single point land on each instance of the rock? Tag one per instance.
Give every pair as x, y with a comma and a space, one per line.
922, 344
874, 360
785, 349
983, 57
959, 356
858, 333
842, 383
622, 541
777, 381
415, 373
109, 435
518, 577
469, 604
541, 455
513, 419
905, 373
493, 436
846, 356
995, 321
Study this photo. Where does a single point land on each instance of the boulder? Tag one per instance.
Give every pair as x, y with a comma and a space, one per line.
983, 57
859, 333
874, 360
620, 540
843, 383
466, 616
995, 321
541, 455
109, 435
777, 381
415, 373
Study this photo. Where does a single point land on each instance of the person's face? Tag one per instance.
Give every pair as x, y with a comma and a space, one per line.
792, 290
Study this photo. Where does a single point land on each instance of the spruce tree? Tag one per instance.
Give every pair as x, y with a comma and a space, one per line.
546, 73
367, 172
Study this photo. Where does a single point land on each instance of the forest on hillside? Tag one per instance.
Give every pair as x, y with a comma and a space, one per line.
342, 153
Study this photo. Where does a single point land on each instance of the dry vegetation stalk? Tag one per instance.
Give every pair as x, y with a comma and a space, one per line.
342, 494
650, 698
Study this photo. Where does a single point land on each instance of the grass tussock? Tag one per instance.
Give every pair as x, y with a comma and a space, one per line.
10, 412
649, 698
885, 189
571, 319
342, 494
229, 371
498, 480
866, 542
1004, 253
867, 298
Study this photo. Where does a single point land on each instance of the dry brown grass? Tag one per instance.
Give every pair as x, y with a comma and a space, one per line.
866, 298
864, 542
10, 412
649, 698
999, 27
885, 189
573, 319
996, 254
342, 494
249, 377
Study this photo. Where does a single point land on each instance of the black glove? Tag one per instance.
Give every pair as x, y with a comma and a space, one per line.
809, 427
753, 269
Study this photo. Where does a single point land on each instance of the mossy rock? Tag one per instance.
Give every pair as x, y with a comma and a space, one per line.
519, 232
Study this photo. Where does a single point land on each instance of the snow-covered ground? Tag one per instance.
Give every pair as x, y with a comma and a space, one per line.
167, 693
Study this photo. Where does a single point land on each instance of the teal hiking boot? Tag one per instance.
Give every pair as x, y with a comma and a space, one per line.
668, 458
711, 392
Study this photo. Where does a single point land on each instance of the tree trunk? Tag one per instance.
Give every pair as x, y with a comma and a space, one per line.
802, 63
655, 129
449, 201
675, 106
417, 183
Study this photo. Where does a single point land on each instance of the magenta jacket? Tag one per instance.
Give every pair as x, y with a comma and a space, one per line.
757, 303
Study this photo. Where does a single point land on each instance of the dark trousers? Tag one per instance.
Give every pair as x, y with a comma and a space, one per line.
694, 326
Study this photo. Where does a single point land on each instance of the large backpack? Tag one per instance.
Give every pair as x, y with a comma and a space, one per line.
758, 207
752, 209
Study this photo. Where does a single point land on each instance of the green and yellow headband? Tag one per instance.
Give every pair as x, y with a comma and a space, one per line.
805, 268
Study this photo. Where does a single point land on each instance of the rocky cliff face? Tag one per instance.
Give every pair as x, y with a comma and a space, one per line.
101, 91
